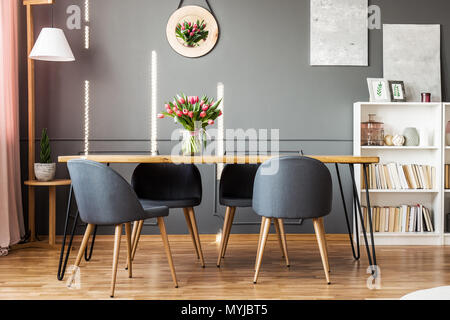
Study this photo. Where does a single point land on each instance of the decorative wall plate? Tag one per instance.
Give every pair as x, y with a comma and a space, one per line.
192, 31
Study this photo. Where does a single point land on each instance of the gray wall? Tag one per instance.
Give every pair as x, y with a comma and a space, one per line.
262, 58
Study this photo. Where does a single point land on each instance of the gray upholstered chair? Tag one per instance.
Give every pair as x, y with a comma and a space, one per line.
293, 188
174, 186
105, 198
236, 191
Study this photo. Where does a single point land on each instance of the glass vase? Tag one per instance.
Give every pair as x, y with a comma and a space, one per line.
372, 132
193, 141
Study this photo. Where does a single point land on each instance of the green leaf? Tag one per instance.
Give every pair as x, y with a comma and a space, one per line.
214, 107
168, 114
45, 155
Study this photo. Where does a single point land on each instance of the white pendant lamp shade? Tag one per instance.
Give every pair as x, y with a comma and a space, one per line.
52, 45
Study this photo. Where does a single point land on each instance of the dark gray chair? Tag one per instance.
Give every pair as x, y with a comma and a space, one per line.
236, 191
105, 198
174, 186
293, 188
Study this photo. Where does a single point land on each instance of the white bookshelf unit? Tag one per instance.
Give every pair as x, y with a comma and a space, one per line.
445, 160
397, 117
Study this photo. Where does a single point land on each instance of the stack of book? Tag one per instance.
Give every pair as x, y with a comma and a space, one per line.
400, 219
394, 176
447, 176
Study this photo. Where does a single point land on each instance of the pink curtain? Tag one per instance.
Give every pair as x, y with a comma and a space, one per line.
11, 216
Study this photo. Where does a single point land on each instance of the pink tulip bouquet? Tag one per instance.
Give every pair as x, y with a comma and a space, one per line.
191, 33
194, 114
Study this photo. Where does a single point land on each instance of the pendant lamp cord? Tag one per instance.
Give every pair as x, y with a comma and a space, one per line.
52, 15
207, 2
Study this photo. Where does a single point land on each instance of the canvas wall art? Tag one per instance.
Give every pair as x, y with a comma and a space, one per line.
412, 54
339, 33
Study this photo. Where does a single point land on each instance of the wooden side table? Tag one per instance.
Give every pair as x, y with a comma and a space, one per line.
51, 207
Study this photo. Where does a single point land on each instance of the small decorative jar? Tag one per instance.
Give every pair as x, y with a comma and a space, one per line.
426, 97
372, 132
412, 138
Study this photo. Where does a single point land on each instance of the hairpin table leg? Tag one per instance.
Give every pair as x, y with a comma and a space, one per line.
369, 217
372, 258
61, 266
86, 256
356, 252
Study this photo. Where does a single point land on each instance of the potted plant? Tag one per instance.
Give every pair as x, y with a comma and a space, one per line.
45, 170
194, 114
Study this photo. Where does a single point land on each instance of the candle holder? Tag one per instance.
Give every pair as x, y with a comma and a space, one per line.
426, 97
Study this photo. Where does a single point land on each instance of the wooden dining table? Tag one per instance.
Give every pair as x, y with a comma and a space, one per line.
226, 159
336, 160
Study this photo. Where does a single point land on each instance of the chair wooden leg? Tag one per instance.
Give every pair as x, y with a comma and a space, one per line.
227, 236
280, 242
129, 249
84, 244
189, 225
325, 244
135, 236
320, 234
261, 231
117, 237
283, 240
267, 223
162, 228
196, 235
224, 231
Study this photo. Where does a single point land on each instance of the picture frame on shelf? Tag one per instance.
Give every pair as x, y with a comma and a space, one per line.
397, 90
379, 90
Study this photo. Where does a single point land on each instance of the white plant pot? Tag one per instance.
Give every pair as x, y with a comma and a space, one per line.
45, 171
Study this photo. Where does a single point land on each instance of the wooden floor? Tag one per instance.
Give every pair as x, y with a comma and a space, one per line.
31, 273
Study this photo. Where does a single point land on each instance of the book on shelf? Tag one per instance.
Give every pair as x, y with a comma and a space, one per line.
401, 219
447, 176
395, 176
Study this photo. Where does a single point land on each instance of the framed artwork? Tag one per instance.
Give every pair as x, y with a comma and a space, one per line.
192, 31
398, 92
339, 33
379, 90
412, 53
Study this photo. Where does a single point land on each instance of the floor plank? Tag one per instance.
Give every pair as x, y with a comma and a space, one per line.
30, 273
